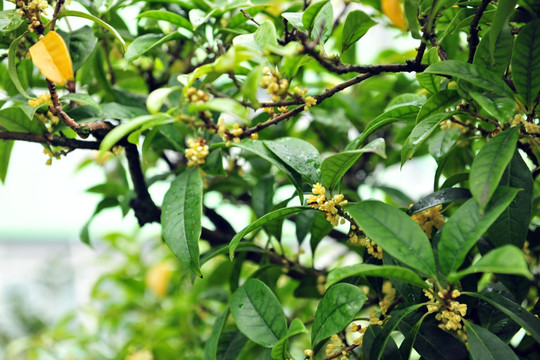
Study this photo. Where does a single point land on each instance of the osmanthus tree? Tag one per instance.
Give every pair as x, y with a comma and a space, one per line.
246, 98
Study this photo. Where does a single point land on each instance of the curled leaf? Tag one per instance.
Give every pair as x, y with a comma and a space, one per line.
51, 56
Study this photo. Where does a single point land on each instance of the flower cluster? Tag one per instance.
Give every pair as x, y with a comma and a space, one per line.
42, 99
49, 119
197, 96
197, 152
449, 124
274, 84
449, 311
233, 134
330, 206
336, 346
32, 11
309, 102
389, 294
53, 154
429, 219
358, 238
530, 127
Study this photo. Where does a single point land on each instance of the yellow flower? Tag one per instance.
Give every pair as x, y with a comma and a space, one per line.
309, 102
197, 152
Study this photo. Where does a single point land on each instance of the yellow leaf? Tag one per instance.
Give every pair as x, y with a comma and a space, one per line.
51, 57
394, 11
158, 278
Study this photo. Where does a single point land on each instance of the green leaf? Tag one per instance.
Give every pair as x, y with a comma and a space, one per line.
156, 98
513, 224
488, 165
526, 62
375, 350
5, 152
181, 218
385, 271
434, 343
319, 20
274, 215
12, 66
230, 345
507, 259
411, 8
251, 84
81, 98
98, 21
396, 233
257, 147
18, 119
399, 113
421, 132
295, 19
266, 35
356, 25
10, 20
258, 313
473, 74
222, 105
501, 56
167, 16
126, 128
484, 345
515, 312
440, 197
500, 108
335, 166
147, 42
300, 155
279, 351
505, 8
408, 342
211, 347
81, 44
438, 103
466, 226
337, 309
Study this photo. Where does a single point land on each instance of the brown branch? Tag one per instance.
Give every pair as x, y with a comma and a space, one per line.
272, 121
473, 33
320, 98
50, 139
144, 207
339, 68
83, 130
57, 8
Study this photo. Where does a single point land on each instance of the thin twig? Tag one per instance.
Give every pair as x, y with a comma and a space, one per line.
338, 67
249, 17
57, 8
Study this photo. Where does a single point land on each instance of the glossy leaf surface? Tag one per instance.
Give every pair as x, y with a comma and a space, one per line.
466, 226
181, 218
258, 313
336, 310
489, 164
396, 233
